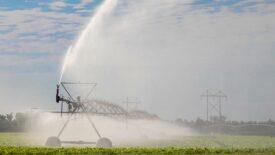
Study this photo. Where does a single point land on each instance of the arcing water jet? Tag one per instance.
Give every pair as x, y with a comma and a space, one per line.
65, 63
92, 27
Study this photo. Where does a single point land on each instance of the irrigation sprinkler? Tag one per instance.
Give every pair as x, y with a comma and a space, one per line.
76, 105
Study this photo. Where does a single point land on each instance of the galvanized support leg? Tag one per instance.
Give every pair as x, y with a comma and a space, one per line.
93, 125
64, 126
90, 120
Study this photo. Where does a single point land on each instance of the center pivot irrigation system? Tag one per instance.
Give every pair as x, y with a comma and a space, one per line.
81, 106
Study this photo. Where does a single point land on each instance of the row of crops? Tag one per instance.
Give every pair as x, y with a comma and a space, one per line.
12, 150
257, 142
23, 143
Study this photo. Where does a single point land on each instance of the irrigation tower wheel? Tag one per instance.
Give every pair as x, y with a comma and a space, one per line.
104, 143
53, 142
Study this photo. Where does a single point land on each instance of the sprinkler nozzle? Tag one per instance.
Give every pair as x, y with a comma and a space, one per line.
57, 97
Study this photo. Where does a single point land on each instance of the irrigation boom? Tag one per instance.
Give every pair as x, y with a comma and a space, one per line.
87, 107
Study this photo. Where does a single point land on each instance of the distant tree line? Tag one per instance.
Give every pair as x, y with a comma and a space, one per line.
222, 126
19, 122
13, 123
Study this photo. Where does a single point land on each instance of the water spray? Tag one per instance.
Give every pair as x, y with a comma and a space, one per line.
66, 62
94, 25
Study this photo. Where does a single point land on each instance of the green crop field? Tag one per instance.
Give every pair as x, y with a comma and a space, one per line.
120, 151
23, 143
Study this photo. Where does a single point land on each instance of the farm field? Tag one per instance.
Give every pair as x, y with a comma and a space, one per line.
5, 150
24, 143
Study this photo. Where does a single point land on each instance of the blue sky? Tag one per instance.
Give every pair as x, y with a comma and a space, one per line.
34, 36
51, 25
69, 6
55, 24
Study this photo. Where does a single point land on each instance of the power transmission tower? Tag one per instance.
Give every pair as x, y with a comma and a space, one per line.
207, 95
212, 105
220, 95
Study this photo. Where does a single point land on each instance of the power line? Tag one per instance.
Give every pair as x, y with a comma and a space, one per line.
214, 107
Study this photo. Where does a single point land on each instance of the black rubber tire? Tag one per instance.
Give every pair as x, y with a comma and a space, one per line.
53, 142
104, 143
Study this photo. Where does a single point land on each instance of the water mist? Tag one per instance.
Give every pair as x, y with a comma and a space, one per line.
118, 52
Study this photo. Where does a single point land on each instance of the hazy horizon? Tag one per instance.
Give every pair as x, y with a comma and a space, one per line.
166, 53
